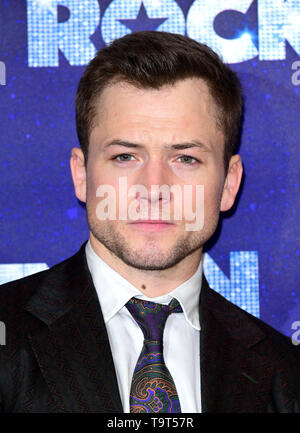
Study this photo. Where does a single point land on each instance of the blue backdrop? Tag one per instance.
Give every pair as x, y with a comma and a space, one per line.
253, 259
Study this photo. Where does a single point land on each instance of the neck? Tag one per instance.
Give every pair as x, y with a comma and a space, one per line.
150, 283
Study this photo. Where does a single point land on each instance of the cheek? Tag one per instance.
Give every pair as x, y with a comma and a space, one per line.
201, 199
91, 186
97, 175
212, 195
103, 187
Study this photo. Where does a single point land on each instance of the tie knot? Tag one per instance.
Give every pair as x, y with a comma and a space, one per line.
152, 316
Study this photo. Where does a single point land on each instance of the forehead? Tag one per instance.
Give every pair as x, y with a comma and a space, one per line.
174, 111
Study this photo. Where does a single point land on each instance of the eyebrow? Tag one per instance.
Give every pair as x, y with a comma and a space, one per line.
178, 146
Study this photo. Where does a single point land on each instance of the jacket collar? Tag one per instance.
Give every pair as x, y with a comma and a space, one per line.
63, 287
239, 324
236, 376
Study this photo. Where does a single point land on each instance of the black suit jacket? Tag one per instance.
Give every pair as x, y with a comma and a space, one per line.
57, 356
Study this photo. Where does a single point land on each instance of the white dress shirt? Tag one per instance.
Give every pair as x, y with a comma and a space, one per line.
181, 335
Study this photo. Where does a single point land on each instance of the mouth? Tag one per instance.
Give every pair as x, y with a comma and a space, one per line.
151, 225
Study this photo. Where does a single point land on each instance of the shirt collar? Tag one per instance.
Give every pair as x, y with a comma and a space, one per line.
114, 291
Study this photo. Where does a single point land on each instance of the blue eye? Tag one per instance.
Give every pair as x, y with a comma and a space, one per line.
187, 159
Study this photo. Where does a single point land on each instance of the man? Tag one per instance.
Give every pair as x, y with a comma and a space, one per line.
129, 324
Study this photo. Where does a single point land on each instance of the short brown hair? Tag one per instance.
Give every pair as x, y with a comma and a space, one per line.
151, 59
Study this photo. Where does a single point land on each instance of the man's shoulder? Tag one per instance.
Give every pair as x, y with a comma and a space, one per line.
15, 294
250, 330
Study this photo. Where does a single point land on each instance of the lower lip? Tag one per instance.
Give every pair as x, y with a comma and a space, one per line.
152, 227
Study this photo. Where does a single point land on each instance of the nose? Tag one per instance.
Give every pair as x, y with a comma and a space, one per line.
153, 175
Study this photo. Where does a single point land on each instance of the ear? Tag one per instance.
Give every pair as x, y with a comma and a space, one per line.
78, 173
232, 182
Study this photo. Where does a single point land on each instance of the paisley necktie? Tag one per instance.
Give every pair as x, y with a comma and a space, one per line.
152, 389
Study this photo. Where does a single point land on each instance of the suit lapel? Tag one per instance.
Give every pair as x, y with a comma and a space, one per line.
72, 346
234, 376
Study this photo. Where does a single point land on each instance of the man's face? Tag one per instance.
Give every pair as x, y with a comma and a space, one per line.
155, 120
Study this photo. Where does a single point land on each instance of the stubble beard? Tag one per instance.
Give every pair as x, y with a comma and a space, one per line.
149, 257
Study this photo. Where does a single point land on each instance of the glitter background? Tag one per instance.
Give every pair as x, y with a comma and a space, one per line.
41, 221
